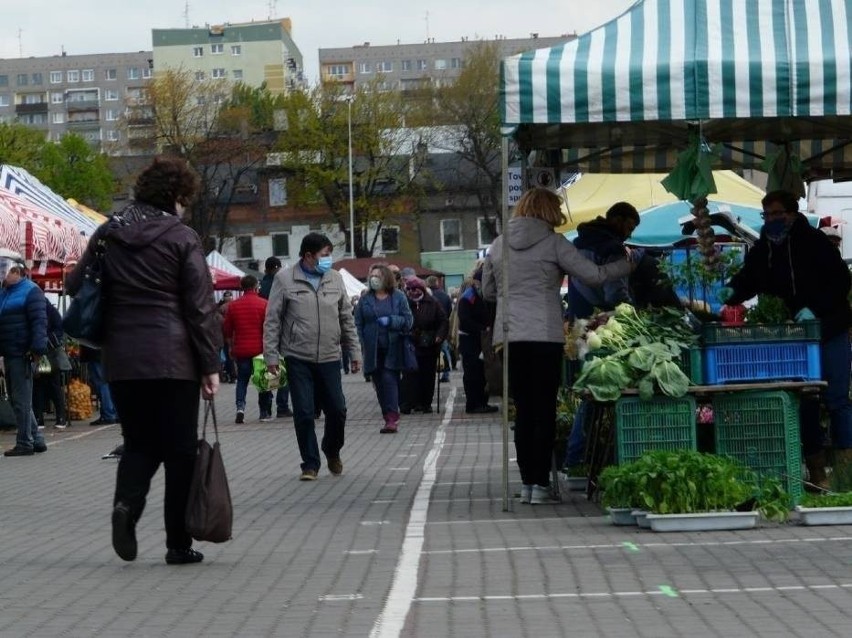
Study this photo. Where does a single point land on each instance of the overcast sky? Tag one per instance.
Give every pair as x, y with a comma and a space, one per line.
44, 27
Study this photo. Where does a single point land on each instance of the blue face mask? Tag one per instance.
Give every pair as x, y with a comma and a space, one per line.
776, 230
323, 264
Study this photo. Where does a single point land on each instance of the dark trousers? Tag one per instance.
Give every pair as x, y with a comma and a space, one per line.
49, 387
534, 376
418, 387
306, 379
159, 421
470, 347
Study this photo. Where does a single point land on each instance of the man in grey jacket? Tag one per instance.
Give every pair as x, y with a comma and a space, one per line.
308, 319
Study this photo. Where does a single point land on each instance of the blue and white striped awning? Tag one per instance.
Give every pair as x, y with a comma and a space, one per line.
750, 75
690, 60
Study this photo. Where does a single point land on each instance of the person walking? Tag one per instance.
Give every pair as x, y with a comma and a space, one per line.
23, 339
382, 317
48, 388
474, 318
446, 304
308, 320
92, 358
228, 373
429, 332
243, 332
282, 394
162, 337
539, 259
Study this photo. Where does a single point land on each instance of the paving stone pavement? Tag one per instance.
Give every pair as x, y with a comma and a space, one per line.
412, 540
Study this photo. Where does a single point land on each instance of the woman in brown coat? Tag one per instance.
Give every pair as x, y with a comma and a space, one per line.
161, 346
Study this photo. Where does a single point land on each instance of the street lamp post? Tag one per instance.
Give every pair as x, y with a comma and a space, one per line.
349, 99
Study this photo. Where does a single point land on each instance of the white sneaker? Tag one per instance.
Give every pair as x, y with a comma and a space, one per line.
542, 496
526, 493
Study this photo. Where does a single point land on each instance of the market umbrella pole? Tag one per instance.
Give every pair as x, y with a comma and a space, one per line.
504, 294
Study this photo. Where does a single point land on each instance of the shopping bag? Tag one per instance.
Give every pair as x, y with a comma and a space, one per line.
8, 420
209, 512
409, 354
263, 379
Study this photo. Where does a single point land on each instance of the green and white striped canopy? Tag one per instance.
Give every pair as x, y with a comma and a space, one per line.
745, 71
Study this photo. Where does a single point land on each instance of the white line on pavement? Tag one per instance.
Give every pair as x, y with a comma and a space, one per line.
452, 483
358, 552
392, 617
333, 597
520, 519
399, 469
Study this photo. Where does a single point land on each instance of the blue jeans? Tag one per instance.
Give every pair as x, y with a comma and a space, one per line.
835, 370
448, 359
282, 398
386, 383
575, 452
264, 399
19, 382
305, 379
96, 372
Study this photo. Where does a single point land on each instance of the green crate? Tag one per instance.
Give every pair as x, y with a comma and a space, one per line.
716, 333
691, 364
663, 423
761, 431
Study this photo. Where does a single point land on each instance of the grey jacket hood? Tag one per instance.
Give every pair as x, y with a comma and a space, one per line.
526, 232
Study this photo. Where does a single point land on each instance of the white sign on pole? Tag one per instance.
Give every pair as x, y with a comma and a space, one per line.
516, 184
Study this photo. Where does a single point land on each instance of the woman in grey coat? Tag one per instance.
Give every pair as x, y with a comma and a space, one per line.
539, 259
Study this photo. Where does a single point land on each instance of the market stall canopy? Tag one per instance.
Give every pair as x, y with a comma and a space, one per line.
353, 286
226, 276
37, 234
767, 80
91, 213
25, 186
593, 193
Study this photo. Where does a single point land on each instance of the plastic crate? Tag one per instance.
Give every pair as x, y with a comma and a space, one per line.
784, 360
663, 423
691, 363
761, 431
716, 333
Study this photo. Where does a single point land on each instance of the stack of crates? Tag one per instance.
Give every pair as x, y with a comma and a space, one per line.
761, 431
761, 352
662, 423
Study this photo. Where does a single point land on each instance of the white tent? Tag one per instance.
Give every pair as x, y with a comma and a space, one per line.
353, 286
215, 259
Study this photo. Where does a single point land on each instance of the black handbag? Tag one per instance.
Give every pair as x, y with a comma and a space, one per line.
409, 354
84, 318
8, 420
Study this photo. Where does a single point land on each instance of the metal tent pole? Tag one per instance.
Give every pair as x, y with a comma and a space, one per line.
504, 294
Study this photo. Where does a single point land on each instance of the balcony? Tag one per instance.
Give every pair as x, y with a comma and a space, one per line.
81, 105
84, 123
23, 109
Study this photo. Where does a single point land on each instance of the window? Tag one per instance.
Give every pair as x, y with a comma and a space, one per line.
278, 191
384, 67
111, 74
4, 80
238, 74
440, 65
146, 72
456, 63
88, 75
110, 95
390, 239
72, 76
218, 73
55, 77
4, 100
33, 118
236, 49
217, 49
450, 234
339, 70
406, 65
199, 76
111, 115
485, 228
422, 65
134, 94
197, 52
38, 79
244, 248
57, 98
365, 67
92, 136
112, 135
58, 118
281, 244
23, 79
33, 98
132, 73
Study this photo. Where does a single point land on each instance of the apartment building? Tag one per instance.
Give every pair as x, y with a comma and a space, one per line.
408, 67
252, 53
83, 94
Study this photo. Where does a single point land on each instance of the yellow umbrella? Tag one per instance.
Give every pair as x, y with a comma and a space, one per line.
88, 212
594, 193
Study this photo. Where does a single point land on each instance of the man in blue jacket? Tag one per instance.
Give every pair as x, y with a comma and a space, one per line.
23, 339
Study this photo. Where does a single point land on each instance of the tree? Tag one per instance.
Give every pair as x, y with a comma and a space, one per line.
314, 151
20, 145
470, 107
74, 169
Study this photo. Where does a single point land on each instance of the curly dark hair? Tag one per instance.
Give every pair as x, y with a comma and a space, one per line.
167, 181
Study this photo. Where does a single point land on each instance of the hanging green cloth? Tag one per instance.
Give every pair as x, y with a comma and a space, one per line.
784, 171
692, 176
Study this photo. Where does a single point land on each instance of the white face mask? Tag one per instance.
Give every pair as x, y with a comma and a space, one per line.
375, 283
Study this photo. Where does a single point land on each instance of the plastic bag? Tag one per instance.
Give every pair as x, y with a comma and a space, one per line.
264, 380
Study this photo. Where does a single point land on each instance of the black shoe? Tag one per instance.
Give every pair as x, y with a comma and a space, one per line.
123, 532
183, 556
103, 422
425, 410
241, 417
19, 451
483, 409
405, 410
282, 414
38, 448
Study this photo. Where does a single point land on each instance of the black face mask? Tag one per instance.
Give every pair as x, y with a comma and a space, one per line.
776, 230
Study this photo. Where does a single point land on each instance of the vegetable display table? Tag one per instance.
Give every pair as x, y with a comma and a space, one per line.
601, 427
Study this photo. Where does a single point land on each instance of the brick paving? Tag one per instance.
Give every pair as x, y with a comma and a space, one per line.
319, 559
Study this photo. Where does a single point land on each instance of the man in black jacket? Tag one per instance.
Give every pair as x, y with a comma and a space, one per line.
796, 262
474, 319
